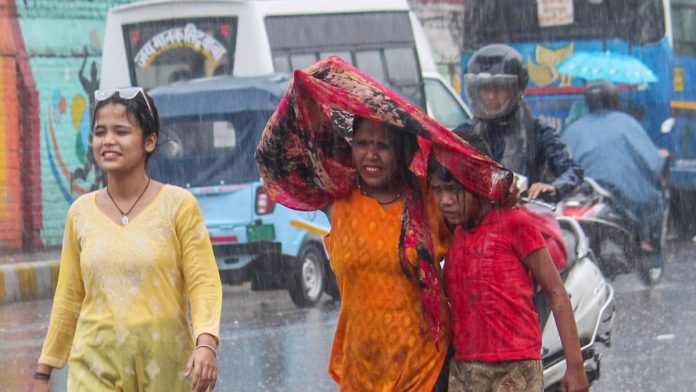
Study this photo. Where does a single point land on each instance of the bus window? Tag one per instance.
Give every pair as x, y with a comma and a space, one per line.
370, 62
402, 72
684, 27
166, 51
500, 21
344, 55
381, 43
302, 61
281, 64
402, 64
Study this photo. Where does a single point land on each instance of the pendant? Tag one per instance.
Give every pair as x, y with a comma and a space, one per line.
124, 220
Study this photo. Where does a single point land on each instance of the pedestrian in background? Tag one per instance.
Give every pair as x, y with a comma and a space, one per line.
136, 254
614, 150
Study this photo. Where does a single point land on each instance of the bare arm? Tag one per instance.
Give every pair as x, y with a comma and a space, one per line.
540, 264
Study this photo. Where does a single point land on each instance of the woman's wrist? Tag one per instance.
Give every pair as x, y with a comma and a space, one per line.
43, 372
206, 347
206, 338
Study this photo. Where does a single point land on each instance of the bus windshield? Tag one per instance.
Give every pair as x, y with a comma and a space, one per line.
501, 21
166, 51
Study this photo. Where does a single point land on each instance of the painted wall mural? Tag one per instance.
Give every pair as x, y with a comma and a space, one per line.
65, 126
60, 44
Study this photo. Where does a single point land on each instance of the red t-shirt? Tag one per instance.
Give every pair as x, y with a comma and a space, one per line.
490, 290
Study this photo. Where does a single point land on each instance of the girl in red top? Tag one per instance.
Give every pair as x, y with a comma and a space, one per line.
495, 257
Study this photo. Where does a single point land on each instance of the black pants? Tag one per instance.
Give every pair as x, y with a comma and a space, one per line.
443, 379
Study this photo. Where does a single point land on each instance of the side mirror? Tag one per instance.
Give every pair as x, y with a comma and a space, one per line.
522, 183
667, 125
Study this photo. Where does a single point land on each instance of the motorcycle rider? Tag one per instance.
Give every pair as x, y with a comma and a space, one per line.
615, 151
494, 83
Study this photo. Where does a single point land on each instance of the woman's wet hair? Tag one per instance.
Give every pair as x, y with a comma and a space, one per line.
137, 108
435, 169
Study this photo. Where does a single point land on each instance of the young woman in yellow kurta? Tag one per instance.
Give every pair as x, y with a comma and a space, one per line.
383, 341
127, 278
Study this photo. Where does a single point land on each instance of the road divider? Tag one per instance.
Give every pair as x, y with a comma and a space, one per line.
28, 281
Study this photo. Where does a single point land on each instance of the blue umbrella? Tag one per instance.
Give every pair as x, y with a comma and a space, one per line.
614, 67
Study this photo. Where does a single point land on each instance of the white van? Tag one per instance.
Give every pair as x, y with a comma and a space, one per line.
157, 42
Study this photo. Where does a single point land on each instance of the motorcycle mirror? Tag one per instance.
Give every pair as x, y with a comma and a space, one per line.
522, 183
667, 125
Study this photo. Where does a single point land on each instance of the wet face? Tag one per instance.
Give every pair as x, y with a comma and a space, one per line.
494, 100
456, 205
117, 140
374, 156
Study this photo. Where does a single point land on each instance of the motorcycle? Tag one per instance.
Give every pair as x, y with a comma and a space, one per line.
616, 245
591, 297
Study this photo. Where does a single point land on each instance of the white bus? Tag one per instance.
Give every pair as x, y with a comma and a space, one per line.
157, 42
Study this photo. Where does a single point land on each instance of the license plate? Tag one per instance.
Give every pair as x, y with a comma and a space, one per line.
265, 232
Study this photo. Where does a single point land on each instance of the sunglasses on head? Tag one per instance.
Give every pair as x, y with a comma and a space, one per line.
126, 93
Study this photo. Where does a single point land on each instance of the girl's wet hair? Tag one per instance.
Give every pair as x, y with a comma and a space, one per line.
137, 108
465, 132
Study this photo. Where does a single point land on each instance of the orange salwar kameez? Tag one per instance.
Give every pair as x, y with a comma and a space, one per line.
382, 340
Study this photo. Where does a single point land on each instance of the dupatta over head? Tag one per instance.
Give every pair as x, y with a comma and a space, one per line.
304, 157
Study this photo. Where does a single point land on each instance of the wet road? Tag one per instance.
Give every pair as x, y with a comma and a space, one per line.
269, 345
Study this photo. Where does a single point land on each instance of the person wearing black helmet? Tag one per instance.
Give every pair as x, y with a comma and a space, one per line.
494, 84
615, 151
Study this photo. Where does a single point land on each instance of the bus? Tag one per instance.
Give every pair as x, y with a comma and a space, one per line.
158, 42
661, 33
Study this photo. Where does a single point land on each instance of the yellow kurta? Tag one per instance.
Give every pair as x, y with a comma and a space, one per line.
120, 308
382, 341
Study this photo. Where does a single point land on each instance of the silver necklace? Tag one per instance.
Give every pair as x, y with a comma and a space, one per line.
124, 219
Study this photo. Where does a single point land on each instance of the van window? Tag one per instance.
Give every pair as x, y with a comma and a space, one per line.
379, 43
166, 51
198, 151
443, 105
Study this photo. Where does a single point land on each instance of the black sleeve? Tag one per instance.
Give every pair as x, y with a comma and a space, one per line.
568, 173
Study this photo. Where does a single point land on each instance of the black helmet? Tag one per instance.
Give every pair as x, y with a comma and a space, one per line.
498, 68
602, 95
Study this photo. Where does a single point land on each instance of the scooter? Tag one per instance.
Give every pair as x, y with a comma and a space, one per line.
616, 245
591, 297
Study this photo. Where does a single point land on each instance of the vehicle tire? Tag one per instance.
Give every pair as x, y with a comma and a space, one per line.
307, 283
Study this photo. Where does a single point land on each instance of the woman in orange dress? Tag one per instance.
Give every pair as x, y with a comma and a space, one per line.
382, 340
341, 142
